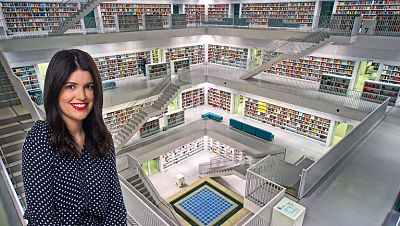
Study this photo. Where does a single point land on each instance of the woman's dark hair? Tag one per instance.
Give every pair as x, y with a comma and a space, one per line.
98, 139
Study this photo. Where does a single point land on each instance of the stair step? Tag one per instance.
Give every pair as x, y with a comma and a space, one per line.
12, 137
8, 95
16, 127
15, 119
9, 102
14, 153
16, 163
6, 88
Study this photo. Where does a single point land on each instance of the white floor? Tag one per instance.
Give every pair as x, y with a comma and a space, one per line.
164, 182
296, 145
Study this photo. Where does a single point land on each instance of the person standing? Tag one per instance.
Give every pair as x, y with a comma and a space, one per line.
68, 160
143, 65
197, 18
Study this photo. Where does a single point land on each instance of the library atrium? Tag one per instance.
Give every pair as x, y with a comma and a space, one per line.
228, 112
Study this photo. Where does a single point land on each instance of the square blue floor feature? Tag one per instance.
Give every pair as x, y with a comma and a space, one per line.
206, 206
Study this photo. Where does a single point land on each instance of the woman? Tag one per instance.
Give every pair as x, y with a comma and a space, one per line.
68, 161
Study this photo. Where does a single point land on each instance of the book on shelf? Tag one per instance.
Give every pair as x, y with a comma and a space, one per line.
334, 84
219, 99
177, 21
258, 14
110, 10
158, 70
128, 23
192, 9
390, 74
153, 22
151, 127
179, 64
193, 98
174, 118
181, 153
311, 67
217, 12
308, 125
121, 65
229, 56
378, 92
29, 78
37, 16
227, 152
195, 54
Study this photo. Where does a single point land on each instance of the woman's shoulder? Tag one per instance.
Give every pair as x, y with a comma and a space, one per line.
40, 130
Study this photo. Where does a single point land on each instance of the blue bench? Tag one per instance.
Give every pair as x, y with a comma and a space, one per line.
109, 85
212, 116
263, 134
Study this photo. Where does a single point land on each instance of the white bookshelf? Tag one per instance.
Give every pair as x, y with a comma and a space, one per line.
157, 70
305, 124
219, 99
174, 118
193, 98
378, 92
194, 53
390, 74
225, 151
334, 84
179, 154
179, 64
29, 79
228, 56
151, 127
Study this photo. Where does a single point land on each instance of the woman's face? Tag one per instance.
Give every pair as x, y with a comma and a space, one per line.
76, 97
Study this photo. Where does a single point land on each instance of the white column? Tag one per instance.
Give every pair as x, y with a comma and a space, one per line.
354, 75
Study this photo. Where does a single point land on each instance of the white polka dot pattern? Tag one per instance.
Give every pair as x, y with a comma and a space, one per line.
69, 191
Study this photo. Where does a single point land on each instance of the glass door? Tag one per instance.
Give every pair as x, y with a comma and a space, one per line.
151, 167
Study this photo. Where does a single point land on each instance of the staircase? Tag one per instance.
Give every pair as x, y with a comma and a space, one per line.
218, 167
134, 179
320, 40
303, 162
8, 96
136, 122
131, 221
86, 8
15, 122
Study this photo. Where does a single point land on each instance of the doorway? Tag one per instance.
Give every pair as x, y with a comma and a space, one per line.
368, 70
151, 167
255, 56
238, 105
174, 104
340, 130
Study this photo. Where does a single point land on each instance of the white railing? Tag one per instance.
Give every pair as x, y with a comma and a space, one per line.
264, 215
314, 173
13, 193
139, 208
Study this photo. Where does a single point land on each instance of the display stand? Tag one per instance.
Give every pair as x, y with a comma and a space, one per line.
334, 84
179, 64
287, 213
378, 92
174, 118
152, 126
158, 70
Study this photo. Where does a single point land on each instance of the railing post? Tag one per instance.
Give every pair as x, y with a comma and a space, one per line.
356, 26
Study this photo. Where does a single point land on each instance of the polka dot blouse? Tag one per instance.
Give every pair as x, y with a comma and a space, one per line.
68, 191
